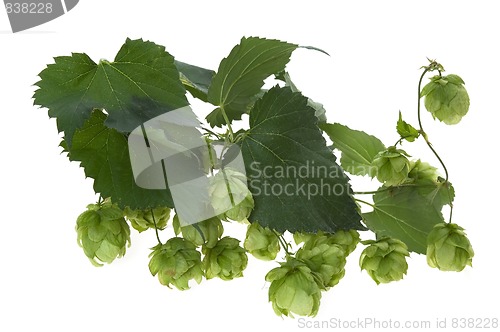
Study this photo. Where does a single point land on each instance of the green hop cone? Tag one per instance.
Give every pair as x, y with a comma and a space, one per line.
294, 289
103, 233
346, 239
225, 260
420, 170
385, 260
446, 98
230, 196
326, 260
392, 165
242, 210
176, 263
206, 232
261, 242
448, 248
142, 220
300, 237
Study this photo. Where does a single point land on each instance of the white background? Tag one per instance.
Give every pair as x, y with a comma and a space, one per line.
376, 47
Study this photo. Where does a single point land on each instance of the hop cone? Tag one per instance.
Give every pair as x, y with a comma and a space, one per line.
326, 260
347, 240
446, 98
261, 242
448, 248
103, 233
385, 260
142, 220
392, 165
225, 260
206, 232
420, 170
230, 196
176, 263
294, 289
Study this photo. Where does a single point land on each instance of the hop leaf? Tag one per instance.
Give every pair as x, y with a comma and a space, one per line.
103, 233
261, 242
206, 232
142, 220
448, 248
385, 260
392, 165
327, 261
406, 130
225, 260
230, 195
294, 289
176, 263
446, 98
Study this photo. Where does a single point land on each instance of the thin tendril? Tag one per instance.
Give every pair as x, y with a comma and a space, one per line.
429, 68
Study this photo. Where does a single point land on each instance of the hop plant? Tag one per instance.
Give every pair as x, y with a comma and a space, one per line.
294, 289
230, 196
225, 260
385, 260
242, 210
420, 170
103, 233
346, 239
261, 242
206, 232
142, 220
327, 261
392, 165
446, 98
448, 248
176, 263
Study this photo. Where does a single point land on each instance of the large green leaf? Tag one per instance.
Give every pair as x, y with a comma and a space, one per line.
242, 73
357, 147
319, 109
195, 79
406, 213
104, 154
140, 84
292, 174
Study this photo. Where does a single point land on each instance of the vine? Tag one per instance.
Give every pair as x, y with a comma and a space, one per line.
156, 165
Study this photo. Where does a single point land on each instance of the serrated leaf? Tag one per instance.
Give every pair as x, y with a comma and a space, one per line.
406, 130
242, 73
283, 140
357, 147
140, 84
195, 79
438, 193
405, 214
103, 153
319, 109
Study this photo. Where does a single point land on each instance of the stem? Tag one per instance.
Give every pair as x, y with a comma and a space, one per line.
424, 135
156, 228
283, 243
364, 202
228, 123
371, 192
211, 132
